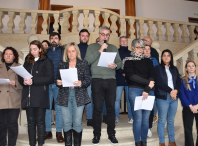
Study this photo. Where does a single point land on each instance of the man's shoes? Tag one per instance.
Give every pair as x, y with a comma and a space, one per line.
90, 122
59, 137
117, 121
48, 135
149, 134
104, 119
96, 140
143, 143
130, 121
113, 139
154, 119
138, 143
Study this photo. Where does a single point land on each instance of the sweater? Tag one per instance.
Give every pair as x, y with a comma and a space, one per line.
121, 80
83, 49
93, 55
154, 53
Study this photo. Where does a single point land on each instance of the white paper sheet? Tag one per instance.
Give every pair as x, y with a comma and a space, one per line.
68, 76
21, 71
106, 58
146, 104
4, 81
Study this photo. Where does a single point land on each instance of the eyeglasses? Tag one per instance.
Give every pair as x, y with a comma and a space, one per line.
103, 34
140, 48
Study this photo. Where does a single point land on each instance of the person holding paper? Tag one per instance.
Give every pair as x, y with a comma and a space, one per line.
140, 74
167, 87
103, 84
35, 94
188, 95
72, 100
10, 98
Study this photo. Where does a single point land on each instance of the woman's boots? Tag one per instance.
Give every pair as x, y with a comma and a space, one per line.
76, 136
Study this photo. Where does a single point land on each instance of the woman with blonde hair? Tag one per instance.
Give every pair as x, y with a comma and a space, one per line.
73, 99
189, 98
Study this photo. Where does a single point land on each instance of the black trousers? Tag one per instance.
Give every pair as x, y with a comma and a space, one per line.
36, 118
188, 118
151, 119
9, 124
103, 89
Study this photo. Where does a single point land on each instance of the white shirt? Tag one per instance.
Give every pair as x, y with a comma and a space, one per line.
35, 59
170, 78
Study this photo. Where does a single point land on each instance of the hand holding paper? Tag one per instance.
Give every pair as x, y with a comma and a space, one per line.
4, 81
106, 58
146, 104
21, 71
68, 77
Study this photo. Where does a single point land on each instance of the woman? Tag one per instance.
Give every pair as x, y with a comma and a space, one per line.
35, 94
167, 86
10, 97
45, 44
147, 52
73, 99
189, 98
140, 74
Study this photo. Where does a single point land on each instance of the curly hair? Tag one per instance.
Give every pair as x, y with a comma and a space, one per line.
16, 54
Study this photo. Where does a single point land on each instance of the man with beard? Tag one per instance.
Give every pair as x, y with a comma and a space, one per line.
84, 38
55, 53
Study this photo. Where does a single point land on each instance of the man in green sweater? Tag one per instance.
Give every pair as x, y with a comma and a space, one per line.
103, 84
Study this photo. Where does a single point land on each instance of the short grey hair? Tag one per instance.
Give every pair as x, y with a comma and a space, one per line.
138, 41
123, 37
104, 28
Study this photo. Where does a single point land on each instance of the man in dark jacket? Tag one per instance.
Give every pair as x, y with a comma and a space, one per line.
55, 53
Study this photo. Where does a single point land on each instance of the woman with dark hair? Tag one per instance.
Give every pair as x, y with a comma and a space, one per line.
167, 86
35, 94
10, 98
189, 98
45, 44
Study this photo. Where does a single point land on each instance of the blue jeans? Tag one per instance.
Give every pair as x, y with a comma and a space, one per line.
72, 111
166, 111
119, 91
53, 93
155, 107
89, 106
140, 117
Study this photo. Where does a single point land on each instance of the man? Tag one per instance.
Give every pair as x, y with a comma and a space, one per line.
55, 53
84, 38
122, 82
103, 84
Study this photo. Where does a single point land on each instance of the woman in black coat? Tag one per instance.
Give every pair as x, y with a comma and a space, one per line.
35, 94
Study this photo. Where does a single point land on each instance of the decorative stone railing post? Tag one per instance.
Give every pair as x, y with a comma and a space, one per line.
66, 25
22, 23
1, 24
192, 34
122, 28
150, 30
159, 31
113, 27
168, 33
86, 20
183, 60
10, 23
131, 30
75, 21
96, 22
141, 29
105, 16
33, 24
176, 33
184, 33
56, 20
193, 54
44, 25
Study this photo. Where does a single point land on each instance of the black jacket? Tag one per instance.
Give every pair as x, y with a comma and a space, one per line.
161, 81
43, 75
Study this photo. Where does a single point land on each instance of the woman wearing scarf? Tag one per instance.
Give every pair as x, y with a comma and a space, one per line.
140, 74
189, 98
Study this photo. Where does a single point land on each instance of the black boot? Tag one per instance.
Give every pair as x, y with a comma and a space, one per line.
144, 143
68, 138
138, 143
40, 145
77, 138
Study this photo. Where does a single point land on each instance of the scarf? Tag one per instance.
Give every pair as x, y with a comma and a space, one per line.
192, 80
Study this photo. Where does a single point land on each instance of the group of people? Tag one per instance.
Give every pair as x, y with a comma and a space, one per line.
138, 72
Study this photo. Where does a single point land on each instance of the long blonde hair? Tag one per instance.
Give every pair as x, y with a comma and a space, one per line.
186, 74
65, 57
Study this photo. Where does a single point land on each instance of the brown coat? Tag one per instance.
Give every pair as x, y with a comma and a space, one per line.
10, 96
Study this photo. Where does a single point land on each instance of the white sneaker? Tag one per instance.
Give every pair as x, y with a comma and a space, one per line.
149, 133
130, 120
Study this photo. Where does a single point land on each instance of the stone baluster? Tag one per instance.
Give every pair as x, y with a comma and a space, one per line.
105, 16
192, 34
184, 33
141, 29
33, 24
176, 33
56, 20
159, 31
1, 24
75, 21
44, 25
66, 25
193, 54
183, 60
22, 25
86, 20
113, 27
131, 30
168, 33
122, 28
150, 30
96, 22
10, 23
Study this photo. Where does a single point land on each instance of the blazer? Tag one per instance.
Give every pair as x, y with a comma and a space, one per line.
10, 96
161, 81
81, 94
